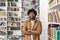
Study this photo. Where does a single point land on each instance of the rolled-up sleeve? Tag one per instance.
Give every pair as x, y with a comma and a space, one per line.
39, 27
24, 27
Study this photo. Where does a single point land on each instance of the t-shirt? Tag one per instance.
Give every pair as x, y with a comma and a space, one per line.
32, 23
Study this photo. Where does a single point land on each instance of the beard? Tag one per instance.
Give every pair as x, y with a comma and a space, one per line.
32, 17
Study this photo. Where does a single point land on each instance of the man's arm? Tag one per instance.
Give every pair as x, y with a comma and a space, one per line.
39, 29
25, 29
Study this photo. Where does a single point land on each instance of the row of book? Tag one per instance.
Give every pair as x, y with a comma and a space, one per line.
13, 4
10, 25
13, 26
2, 4
54, 32
11, 35
9, 0
9, 4
9, 14
12, 14
53, 2
54, 16
14, 35
10, 9
13, 19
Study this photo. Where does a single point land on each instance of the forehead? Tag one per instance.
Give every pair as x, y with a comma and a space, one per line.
31, 12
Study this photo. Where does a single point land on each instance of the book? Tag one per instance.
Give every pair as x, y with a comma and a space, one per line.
50, 18
58, 35
2, 4
12, 4
58, 1
57, 16
52, 3
3, 19
2, 13
9, 32
49, 38
3, 28
3, 23
54, 17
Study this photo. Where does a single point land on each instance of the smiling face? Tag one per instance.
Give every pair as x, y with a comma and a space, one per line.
31, 15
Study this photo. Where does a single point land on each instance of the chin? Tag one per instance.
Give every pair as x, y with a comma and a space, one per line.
31, 18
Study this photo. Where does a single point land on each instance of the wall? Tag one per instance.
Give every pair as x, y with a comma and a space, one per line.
43, 18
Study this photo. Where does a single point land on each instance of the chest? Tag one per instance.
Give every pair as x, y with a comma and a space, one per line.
32, 25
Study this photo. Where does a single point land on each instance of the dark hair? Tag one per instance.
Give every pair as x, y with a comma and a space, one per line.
32, 10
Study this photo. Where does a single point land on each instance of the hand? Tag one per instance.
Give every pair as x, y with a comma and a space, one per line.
29, 30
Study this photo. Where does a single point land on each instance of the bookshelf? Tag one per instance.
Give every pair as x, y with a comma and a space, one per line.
3, 20
12, 15
10, 20
54, 20
53, 4
14, 18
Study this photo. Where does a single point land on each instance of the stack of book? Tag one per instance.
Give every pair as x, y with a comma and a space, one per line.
54, 16
54, 31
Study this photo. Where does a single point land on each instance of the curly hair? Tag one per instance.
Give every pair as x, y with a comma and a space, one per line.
32, 10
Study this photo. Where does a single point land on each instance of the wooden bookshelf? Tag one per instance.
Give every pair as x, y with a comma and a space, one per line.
54, 20
56, 5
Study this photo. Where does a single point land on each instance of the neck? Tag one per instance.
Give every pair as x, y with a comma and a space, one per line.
32, 19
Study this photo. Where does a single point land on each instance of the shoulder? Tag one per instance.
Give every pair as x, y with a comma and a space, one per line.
25, 21
38, 21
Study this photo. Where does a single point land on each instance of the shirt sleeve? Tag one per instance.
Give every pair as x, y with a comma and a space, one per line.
39, 28
24, 27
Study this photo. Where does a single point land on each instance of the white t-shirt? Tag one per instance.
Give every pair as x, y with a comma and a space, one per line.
32, 23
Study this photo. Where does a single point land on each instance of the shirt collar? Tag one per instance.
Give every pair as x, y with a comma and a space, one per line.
34, 20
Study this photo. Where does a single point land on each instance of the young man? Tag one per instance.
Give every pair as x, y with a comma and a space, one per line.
32, 28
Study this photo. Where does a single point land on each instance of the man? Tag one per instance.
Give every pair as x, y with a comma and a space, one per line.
32, 28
